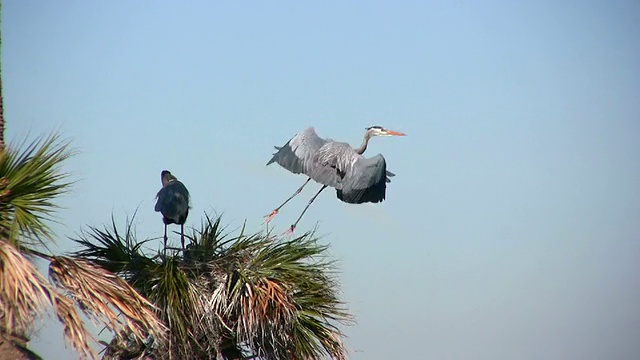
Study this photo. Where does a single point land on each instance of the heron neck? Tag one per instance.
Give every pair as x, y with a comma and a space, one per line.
363, 147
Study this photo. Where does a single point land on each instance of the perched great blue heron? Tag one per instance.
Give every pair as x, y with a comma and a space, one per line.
173, 203
356, 179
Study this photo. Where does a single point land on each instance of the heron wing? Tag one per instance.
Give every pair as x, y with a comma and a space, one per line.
300, 156
173, 202
366, 181
296, 155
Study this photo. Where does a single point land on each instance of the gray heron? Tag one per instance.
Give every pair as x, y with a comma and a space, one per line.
356, 179
173, 203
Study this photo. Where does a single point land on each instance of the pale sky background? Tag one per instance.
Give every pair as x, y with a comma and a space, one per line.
512, 228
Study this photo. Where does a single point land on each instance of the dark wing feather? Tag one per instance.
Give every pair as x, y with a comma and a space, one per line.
366, 182
300, 156
389, 175
173, 202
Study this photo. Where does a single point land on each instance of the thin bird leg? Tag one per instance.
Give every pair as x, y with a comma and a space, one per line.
275, 212
293, 227
165, 239
182, 235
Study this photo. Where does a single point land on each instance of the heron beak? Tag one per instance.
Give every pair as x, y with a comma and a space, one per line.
395, 133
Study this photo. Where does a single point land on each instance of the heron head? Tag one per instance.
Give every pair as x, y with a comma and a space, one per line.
167, 177
378, 130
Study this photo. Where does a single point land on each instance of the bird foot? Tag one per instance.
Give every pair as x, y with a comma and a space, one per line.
289, 231
270, 216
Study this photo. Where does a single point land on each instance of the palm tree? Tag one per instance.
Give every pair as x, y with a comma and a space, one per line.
228, 297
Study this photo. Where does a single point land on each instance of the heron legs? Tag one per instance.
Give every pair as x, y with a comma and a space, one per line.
293, 227
182, 235
165, 239
275, 212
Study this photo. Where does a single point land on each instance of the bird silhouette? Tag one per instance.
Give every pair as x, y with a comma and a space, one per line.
173, 204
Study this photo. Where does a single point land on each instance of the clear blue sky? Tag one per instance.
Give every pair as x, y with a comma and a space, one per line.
512, 228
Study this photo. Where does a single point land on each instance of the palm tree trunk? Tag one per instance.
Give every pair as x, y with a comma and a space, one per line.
13, 347
1, 99
1, 108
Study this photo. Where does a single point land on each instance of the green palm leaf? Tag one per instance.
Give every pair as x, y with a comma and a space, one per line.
30, 181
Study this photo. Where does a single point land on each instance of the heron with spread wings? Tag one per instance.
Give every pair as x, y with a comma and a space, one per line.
173, 203
356, 179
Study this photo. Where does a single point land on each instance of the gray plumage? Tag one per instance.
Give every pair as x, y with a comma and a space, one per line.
366, 182
356, 179
173, 203
335, 164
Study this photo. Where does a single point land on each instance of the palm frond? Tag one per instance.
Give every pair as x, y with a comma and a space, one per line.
30, 181
110, 249
23, 291
74, 329
181, 305
23, 295
106, 298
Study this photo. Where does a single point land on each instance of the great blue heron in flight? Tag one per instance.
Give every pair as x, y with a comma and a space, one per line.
173, 204
356, 179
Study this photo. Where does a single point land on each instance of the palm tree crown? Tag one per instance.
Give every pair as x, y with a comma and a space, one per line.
229, 296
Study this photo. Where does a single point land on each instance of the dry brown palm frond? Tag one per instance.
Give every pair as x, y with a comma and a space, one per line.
23, 295
272, 300
74, 330
104, 297
23, 291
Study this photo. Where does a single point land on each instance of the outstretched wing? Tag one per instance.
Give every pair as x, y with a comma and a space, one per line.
296, 155
173, 202
366, 182
300, 155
